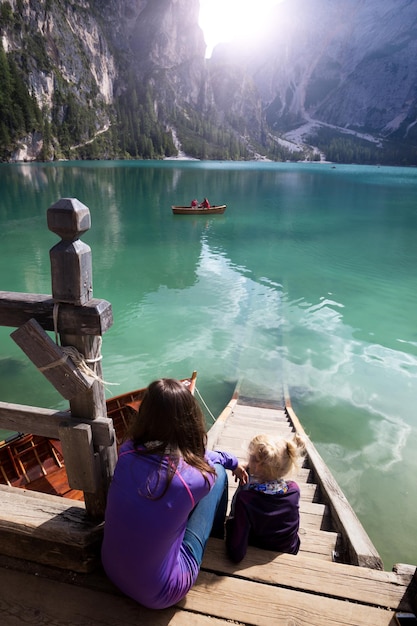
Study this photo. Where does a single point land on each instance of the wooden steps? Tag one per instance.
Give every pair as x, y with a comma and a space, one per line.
318, 538
264, 589
308, 589
319, 588
26, 598
337, 580
251, 602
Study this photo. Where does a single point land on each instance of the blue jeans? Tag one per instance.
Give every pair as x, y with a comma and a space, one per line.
207, 517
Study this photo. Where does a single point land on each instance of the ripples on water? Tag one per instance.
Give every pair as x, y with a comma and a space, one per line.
309, 276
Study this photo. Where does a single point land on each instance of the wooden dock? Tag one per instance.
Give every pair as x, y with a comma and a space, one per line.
265, 588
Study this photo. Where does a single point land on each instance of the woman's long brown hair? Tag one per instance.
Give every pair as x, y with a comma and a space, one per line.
171, 423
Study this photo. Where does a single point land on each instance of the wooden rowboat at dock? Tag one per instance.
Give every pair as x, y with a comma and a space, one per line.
188, 210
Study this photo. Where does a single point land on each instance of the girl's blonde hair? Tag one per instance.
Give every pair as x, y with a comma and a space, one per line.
276, 458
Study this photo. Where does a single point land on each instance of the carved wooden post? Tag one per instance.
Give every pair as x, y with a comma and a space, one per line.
71, 269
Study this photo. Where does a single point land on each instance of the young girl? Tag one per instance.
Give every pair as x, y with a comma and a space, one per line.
167, 496
265, 511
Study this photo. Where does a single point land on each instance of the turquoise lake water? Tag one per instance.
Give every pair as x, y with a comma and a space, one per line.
309, 277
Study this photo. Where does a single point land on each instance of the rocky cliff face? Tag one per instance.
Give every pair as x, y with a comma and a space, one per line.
349, 64
133, 71
60, 40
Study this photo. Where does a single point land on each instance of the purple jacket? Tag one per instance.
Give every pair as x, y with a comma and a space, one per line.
269, 521
142, 550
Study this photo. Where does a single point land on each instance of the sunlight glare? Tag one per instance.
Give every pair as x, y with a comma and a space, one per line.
232, 20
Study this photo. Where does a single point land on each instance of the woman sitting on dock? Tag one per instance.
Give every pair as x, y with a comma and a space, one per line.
167, 496
265, 511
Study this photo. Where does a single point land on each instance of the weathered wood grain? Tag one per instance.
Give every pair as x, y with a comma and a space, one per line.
28, 599
46, 422
93, 318
47, 529
262, 605
80, 460
365, 585
51, 360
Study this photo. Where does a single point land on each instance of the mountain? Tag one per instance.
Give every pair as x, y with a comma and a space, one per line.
348, 65
334, 79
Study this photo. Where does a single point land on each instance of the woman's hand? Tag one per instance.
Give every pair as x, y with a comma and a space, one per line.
240, 474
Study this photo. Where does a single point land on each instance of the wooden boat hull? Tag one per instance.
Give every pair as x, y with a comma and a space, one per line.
187, 210
36, 463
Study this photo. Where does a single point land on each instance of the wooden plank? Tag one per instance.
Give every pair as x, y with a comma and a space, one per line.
319, 543
29, 599
32, 511
262, 605
257, 422
404, 569
261, 402
47, 529
51, 360
45, 422
365, 585
308, 520
93, 318
315, 518
316, 508
242, 421
303, 475
241, 434
80, 460
259, 412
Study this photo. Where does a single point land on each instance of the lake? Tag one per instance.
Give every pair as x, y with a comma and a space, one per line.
309, 278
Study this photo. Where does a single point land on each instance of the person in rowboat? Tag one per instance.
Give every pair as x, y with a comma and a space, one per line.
167, 496
205, 204
265, 510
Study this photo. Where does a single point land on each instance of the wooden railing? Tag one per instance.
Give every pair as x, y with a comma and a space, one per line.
362, 551
79, 321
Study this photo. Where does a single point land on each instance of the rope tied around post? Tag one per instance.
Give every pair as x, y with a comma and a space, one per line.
78, 359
